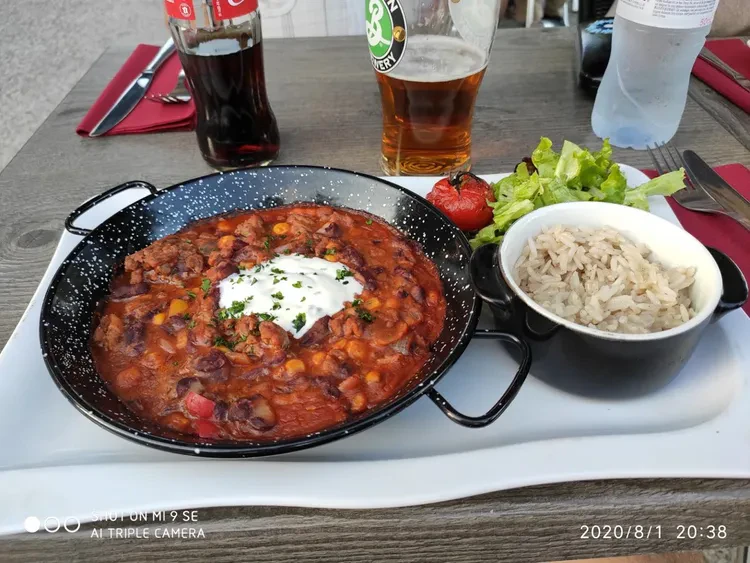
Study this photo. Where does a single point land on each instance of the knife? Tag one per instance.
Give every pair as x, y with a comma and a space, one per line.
737, 207
133, 93
720, 65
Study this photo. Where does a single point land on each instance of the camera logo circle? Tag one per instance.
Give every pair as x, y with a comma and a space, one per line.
51, 524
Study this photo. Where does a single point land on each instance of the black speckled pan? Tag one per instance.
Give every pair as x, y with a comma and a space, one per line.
84, 277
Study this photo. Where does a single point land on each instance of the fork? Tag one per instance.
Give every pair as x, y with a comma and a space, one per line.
179, 95
693, 197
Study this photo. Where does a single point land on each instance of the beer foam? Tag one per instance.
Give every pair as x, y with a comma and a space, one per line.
437, 58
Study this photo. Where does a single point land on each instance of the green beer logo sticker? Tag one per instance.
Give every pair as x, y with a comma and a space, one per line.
386, 33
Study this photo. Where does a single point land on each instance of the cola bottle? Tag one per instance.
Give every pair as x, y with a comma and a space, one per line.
221, 49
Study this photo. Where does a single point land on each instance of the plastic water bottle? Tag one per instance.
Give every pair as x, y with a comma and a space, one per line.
643, 93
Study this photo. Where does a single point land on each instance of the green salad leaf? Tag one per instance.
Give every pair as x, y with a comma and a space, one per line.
573, 174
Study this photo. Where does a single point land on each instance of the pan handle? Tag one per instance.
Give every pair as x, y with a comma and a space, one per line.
510, 393
97, 199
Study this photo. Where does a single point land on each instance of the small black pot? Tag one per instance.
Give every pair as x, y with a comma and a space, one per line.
84, 278
593, 362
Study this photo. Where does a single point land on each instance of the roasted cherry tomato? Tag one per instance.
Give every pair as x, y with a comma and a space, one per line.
463, 198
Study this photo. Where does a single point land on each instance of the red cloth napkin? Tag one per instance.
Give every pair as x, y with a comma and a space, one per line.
719, 231
736, 54
148, 116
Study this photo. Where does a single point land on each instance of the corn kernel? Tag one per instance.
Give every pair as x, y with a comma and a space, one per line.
281, 228
177, 307
372, 304
223, 349
227, 241
159, 318
356, 350
331, 257
295, 366
359, 402
340, 344
318, 358
372, 377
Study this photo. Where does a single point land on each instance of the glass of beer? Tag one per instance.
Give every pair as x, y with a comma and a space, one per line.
429, 57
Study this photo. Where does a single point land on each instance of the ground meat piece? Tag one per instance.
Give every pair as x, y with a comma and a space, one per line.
353, 326
129, 291
250, 256
302, 224
136, 276
342, 219
367, 279
203, 335
335, 367
351, 258
273, 357
317, 333
246, 326
330, 229
169, 260
255, 373
336, 325
411, 315
252, 229
221, 271
273, 336
206, 243
109, 331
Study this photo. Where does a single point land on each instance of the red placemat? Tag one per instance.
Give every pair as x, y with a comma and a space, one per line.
719, 231
736, 54
148, 116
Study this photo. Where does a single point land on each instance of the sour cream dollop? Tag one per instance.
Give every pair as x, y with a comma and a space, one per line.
294, 291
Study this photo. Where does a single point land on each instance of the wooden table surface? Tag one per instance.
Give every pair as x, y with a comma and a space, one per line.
326, 100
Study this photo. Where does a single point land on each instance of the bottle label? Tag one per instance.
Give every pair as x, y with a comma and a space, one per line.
385, 25
672, 14
180, 9
228, 9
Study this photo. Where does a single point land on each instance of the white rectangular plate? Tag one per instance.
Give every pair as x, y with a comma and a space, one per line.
54, 462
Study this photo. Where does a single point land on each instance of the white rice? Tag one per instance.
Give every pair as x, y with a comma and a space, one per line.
599, 279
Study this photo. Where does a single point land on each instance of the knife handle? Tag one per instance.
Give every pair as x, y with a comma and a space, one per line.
164, 53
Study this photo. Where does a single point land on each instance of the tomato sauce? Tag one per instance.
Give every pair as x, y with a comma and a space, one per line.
169, 351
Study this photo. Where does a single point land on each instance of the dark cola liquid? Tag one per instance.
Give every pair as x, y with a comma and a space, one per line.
235, 125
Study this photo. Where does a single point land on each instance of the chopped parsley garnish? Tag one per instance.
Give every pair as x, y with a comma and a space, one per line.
344, 273
276, 306
277, 295
267, 243
255, 280
277, 271
368, 222
297, 284
309, 242
276, 280
191, 294
175, 363
186, 316
221, 341
191, 324
287, 252
345, 282
365, 315
299, 321
266, 317
356, 303
303, 299
329, 252
235, 310
206, 285
258, 268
